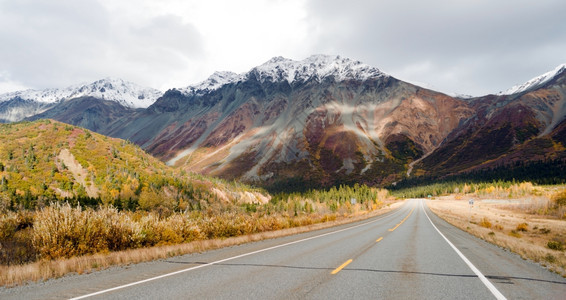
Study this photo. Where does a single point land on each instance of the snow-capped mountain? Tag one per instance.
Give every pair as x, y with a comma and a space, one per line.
279, 69
126, 93
324, 119
536, 82
215, 81
317, 67
327, 120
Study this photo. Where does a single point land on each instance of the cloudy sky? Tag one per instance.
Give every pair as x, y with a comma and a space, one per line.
472, 47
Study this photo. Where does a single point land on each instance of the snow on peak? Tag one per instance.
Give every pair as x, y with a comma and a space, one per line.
214, 82
318, 66
535, 82
126, 93
280, 69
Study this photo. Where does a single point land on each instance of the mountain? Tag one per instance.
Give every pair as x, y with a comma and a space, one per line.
518, 129
537, 82
46, 161
88, 112
322, 120
16, 106
329, 120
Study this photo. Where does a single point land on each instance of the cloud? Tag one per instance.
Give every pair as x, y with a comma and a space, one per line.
469, 46
157, 50
9, 85
169, 32
59, 43
41, 39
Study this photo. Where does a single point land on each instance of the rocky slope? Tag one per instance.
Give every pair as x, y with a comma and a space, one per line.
87, 112
323, 120
525, 124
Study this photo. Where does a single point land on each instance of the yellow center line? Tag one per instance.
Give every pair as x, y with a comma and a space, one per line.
379, 239
341, 267
402, 220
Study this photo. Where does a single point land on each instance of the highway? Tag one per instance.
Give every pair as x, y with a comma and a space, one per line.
408, 253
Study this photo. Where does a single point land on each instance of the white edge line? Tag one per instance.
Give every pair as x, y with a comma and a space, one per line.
484, 280
220, 261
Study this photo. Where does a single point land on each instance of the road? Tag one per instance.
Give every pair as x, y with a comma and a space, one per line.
408, 253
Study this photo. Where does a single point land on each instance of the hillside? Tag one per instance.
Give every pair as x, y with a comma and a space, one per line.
45, 161
518, 135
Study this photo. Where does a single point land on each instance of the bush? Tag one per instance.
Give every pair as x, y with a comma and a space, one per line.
550, 258
522, 227
15, 242
514, 233
485, 223
559, 198
63, 231
555, 245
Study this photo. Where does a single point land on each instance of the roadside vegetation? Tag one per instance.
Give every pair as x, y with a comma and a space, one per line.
67, 193
35, 243
527, 219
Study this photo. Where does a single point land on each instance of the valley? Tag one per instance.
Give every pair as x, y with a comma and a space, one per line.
131, 174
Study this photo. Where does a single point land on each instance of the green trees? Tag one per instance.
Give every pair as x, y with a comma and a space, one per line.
368, 198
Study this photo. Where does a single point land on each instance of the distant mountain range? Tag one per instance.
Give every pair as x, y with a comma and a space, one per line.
318, 122
16, 106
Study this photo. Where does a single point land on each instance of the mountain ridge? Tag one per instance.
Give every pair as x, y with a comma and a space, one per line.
283, 69
536, 81
327, 120
126, 93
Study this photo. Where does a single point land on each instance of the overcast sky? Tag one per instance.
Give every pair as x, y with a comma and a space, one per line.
472, 47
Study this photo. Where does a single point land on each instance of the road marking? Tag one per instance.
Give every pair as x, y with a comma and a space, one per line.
379, 239
391, 229
341, 267
379, 218
484, 280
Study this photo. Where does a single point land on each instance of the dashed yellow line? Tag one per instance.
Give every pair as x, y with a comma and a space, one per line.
341, 267
391, 229
379, 239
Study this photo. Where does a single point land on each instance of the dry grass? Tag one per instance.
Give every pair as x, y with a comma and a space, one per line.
516, 227
46, 269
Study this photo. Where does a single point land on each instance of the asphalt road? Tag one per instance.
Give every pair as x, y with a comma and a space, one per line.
399, 255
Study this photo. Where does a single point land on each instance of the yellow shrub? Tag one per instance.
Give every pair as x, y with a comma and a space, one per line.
522, 227
514, 233
559, 198
485, 223
64, 231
